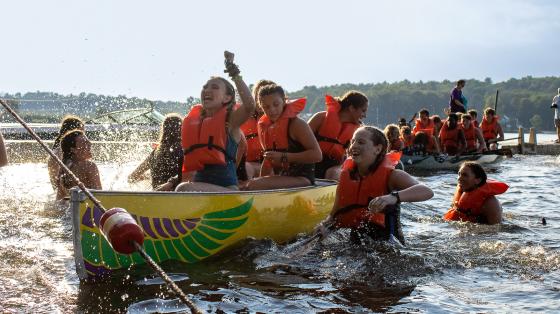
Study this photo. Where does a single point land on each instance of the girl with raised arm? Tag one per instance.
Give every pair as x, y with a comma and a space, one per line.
211, 133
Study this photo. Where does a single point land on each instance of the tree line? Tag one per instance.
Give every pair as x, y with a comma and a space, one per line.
525, 102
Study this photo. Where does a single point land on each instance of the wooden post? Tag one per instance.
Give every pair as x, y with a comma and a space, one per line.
533, 140
521, 141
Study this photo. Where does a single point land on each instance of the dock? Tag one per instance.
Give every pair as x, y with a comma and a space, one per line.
533, 147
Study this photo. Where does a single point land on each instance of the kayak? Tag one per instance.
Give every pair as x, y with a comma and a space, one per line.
190, 227
413, 163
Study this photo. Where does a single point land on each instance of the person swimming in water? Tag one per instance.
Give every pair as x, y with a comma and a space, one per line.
211, 133
290, 149
333, 129
370, 189
3, 153
76, 155
69, 123
474, 199
166, 160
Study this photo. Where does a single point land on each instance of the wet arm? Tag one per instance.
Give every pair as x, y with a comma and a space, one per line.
136, 175
3, 153
482, 143
247, 108
492, 210
409, 189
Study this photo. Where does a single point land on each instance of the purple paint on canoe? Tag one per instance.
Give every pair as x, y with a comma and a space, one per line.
96, 270
159, 228
86, 218
191, 223
145, 221
169, 227
97, 213
179, 226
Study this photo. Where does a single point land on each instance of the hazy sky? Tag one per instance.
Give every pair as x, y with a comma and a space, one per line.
166, 50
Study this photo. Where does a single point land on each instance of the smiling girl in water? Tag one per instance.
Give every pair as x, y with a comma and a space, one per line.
370, 187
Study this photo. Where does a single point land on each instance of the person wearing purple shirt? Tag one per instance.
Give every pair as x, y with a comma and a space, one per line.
456, 98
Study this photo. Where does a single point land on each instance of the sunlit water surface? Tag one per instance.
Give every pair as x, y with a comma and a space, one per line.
445, 266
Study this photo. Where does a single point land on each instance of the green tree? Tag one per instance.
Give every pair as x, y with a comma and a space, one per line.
536, 122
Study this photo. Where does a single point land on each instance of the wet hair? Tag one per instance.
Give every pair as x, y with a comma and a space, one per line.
436, 118
453, 119
405, 130
170, 132
255, 93
473, 113
352, 98
69, 123
272, 89
378, 138
461, 82
424, 111
68, 142
477, 170
489, 111
389, 129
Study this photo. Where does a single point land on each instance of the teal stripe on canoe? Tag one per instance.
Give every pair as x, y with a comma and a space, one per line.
234, 212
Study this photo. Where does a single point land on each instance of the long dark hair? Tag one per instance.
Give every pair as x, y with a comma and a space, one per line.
170, 133
68, 142
453, 119
352, 98
69, 123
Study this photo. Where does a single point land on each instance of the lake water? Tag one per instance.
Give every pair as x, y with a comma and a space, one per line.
513, 267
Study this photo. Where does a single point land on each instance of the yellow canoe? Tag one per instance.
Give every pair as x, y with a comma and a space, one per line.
190, 227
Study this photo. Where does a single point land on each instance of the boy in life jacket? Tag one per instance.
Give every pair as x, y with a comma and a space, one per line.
211, 133
254, 155
426, 124
473, 135
333, 129
491, 129
474, 199
406, 136
474, 115
290, 149
369, 185
393, 136
437, 125
451, 136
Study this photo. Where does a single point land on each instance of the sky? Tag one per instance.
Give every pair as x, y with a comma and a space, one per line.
166, 50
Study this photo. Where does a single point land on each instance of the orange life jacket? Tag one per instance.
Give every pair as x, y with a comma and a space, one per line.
334, 136
254, 148
489, 129
204, 140
354, 194
429, 129
274, 135
467, 206
470, 136
449, 138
